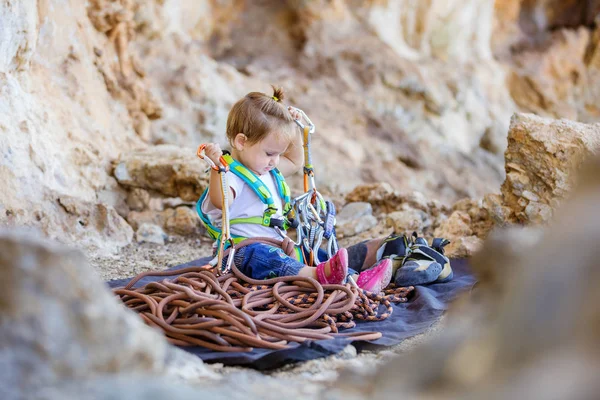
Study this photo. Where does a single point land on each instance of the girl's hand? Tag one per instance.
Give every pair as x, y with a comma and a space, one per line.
295, 113
214, 152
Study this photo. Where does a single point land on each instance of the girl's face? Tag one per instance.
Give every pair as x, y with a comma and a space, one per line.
260, 157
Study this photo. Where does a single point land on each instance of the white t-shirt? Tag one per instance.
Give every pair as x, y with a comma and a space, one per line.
246, 204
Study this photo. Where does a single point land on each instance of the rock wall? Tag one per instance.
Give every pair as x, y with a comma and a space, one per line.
408, 93
550, 49
59, 126
383, 112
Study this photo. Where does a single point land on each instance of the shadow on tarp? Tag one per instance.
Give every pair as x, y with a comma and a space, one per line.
424, 308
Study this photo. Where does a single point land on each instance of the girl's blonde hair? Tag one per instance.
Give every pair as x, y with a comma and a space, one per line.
257, 114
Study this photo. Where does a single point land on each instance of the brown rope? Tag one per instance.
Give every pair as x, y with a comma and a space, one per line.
234, 313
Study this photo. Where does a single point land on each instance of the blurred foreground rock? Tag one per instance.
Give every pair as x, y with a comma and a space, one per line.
59, 323
532, 330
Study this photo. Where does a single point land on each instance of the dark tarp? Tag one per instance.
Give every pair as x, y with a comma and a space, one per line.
424, 308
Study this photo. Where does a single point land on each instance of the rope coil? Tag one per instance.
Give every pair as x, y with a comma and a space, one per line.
232, 312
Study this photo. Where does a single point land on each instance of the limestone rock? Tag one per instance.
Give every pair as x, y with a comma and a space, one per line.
506, 30
125, 79
498, 213
550, 48
169, 170
551, 81
71, 219
553, 14
19, 27
481, 215
384, 198
138, 218
150, 233
59, 126
463, 247
59, 321
179, 221
376, 194
408, 221
366, 26
456, 226
540, 160
182, 221
355, 218
138, 199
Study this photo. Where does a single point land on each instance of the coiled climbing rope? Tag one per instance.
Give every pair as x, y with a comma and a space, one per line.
232, 312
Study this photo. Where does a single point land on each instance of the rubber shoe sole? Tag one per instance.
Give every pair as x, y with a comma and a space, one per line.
377, 278
418, 272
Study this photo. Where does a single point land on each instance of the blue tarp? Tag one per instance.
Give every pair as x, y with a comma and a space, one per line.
424, 308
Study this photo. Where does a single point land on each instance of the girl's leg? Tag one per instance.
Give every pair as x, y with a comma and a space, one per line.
261, 261
375, 275
363, 255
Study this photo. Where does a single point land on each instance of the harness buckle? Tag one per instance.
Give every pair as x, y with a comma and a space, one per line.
278, 222
269, 211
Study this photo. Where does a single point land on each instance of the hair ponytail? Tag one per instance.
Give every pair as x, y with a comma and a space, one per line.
257, 114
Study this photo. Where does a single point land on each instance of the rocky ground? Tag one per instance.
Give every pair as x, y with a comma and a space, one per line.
142, 257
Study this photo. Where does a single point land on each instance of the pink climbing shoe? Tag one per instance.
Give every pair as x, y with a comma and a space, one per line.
338, 265
377, 278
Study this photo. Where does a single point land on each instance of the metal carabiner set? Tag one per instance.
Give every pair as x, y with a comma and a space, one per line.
316, 217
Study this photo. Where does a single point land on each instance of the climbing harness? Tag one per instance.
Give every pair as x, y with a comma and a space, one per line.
263, 193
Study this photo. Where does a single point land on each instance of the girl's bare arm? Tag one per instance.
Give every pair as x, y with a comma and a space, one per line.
293, 159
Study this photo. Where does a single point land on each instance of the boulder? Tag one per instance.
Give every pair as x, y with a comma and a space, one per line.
354, 218
169, 170
541, 157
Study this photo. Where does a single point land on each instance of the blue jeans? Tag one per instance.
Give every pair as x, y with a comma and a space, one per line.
261, 261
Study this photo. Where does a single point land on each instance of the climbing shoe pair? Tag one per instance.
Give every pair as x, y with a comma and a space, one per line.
415, 261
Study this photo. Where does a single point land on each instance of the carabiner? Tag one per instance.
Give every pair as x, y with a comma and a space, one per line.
200, 153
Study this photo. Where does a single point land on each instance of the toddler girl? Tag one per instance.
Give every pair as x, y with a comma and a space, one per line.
267, 144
